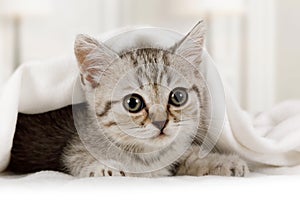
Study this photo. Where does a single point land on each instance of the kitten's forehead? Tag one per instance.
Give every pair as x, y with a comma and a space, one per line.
147, 56
152, 66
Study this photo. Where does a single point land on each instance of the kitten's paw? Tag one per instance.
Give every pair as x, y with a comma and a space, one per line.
99, 170
228, 165
105, 172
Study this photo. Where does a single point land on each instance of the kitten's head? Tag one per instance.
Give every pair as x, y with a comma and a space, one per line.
148, 98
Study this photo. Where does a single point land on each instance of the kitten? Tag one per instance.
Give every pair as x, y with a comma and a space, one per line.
147, 114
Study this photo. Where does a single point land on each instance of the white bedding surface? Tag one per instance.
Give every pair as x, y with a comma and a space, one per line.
49, 184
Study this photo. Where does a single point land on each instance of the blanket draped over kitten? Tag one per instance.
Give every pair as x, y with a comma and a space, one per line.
146, 114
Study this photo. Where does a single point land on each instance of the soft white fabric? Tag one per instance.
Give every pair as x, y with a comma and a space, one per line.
272, 138
53, 185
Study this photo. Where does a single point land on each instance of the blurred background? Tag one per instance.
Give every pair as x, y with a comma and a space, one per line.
255, 43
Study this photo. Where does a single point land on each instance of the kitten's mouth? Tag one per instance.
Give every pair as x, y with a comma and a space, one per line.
161, 135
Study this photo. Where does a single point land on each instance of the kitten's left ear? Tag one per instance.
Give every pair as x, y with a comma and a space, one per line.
191, 46
93, 58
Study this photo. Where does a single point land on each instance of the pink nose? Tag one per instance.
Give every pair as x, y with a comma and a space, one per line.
159, 124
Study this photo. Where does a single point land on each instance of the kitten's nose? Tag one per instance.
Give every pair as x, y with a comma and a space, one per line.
159, 124
158, 116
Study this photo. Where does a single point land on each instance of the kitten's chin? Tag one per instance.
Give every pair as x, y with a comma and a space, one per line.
160, 140
170, 137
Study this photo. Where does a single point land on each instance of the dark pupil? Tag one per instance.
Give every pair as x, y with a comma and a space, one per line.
178, 96
133, 102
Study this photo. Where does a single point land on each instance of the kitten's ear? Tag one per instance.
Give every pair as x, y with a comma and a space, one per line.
93, 57
191, 46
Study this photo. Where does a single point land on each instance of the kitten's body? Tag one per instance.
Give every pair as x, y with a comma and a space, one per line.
114, 142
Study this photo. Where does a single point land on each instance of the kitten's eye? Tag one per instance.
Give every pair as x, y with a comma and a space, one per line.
133, 103
178, 97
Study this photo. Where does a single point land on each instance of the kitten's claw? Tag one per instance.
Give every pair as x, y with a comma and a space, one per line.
100, 170
104, 172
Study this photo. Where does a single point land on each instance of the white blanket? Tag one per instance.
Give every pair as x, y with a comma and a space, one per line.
52, 185
270, 141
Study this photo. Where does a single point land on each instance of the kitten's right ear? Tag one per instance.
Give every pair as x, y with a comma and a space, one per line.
93, 58
191, 46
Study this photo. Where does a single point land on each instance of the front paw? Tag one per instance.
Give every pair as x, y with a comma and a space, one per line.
227, 165
99, 170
